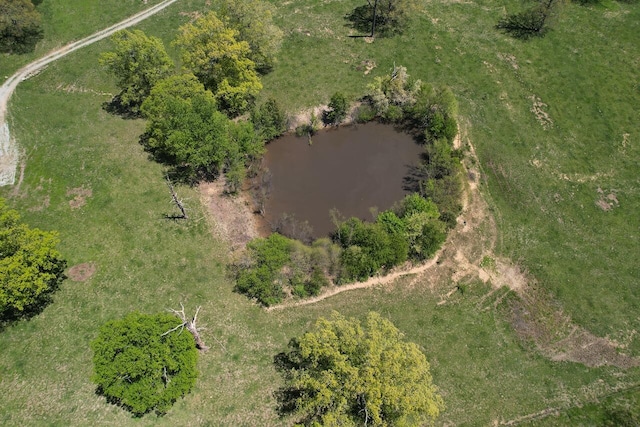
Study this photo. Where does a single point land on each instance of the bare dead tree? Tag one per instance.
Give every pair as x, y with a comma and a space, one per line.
262, 189
177, 201
189, 325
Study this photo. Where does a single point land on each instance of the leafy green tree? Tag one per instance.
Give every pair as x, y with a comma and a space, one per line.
138, 62
393, 16
269, 120
424, 231
532, 22
211, 50
20, 26
186, 129
258, 277
337, 109
144, 362
253, 19
344, 373
368, 248
31, 267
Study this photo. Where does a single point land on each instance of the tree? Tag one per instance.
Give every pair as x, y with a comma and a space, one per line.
186, 129
143, 362
253, 19
20, 26
386, 16
343, 373
269, 120
337, 109
138, 63
257, 277
211, 50
31, 267
532, 22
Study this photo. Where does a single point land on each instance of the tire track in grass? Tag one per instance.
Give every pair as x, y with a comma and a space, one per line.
9, 153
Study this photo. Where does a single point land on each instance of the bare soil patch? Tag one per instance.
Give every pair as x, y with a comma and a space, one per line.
232, 217
606, 200
80, 196
82, 272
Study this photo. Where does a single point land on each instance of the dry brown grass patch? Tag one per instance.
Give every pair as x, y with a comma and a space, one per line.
82, 272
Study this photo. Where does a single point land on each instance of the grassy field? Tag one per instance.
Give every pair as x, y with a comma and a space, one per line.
542, 185
67, 21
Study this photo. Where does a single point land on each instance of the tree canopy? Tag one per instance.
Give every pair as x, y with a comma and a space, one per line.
344, 373
20, 26
212, 51
253, 19
140, 365
31, 267
186, 129
138, 62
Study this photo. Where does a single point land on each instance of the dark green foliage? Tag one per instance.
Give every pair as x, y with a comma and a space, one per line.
269, 120
337, 112
365, 113
31, 268
277, 262
20, 26
392, 16
317, 281
441, 126
368, 248
394, 114
524, 25
140, 368
433, 114
430, 239
344, 373
258, 277
186, 130
446, 193
416, 204
424, 231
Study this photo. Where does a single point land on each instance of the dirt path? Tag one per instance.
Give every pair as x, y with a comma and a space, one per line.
469, 255
9, 153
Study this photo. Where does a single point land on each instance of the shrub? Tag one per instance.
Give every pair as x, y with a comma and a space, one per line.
337, 110
141, 367
365, 113
394, 114
258, 279
269, 120
524, 25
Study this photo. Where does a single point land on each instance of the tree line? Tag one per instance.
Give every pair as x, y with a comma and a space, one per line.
192, 124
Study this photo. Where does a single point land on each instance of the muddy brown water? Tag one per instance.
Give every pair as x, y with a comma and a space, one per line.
352, 169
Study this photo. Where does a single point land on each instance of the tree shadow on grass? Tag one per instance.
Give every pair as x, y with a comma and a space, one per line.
361, 19
117, 108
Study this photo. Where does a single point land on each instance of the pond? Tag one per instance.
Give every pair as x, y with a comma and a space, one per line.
351, 169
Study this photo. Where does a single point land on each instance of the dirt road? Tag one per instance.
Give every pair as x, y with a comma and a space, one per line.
9, 152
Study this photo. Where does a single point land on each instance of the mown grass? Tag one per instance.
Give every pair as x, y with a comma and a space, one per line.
148, 263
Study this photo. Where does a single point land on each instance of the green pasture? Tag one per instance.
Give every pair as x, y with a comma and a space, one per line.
541, 181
